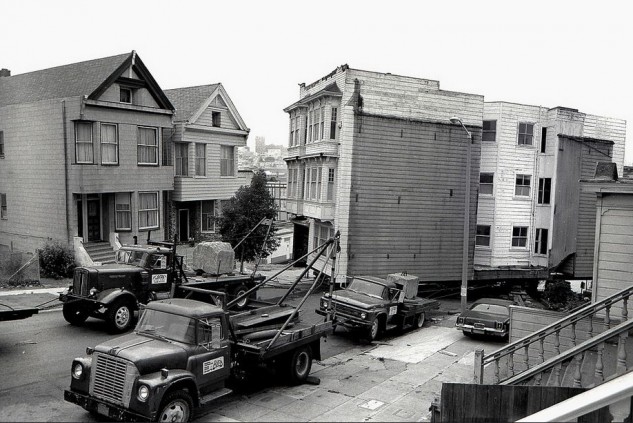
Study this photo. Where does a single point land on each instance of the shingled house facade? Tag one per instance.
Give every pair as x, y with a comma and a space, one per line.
207, 132
82, 153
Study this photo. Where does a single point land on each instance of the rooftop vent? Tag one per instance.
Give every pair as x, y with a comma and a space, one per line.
5, 72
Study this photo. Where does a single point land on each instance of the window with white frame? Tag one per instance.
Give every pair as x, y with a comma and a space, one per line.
3, 207
313, 183
483, 236
293, 122
322, 121
310, 119
526, 133
148, 210
297, 126
109, 144
540, 241
330, 183
486, 183
208, 215
83, 143
125, 95
147, 146
519, 236
216, 119
306, 184
182, 159
201, 159
322, 232
489, 132
522, 187
333, 118
227, 161
123, 211
318, 187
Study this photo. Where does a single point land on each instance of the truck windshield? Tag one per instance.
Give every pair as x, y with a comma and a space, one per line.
368, 288
167, 326
129, 257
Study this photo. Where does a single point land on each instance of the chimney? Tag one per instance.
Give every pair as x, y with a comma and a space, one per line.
5, 72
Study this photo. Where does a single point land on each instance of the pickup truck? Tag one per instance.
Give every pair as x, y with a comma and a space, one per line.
183, 353
142, 273
374, 304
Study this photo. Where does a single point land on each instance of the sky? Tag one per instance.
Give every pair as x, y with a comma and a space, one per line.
550, 53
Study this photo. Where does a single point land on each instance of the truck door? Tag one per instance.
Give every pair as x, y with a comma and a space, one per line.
159, 265
212, 364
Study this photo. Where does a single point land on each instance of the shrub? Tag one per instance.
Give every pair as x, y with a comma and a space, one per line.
56, 261
559, 297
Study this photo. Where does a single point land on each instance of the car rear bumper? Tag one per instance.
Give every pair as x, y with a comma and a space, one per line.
481, 331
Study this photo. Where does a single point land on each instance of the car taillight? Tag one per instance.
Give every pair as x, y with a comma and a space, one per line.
499, 325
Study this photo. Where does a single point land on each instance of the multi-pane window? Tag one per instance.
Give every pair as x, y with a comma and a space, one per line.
227, 161
310, 117
297, 126
313, 183
519, 236
3, 206
83, 142
486, 183
544, 190
208, 216
526, 133
522, 187
319, 178
125, 95
147, 210
330, 184
1, 144
483, 235
147, 146
543, 139
540, 241
109, 144
182, 159
333, 123
489, 130
201, 159
322, 232
123, 211
293, 123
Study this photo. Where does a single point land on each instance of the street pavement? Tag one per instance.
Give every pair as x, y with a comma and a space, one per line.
395, 379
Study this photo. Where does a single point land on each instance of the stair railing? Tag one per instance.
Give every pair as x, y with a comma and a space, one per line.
576, 354
589, 311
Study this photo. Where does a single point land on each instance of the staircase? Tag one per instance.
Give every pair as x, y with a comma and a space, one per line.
100, 251
598, 351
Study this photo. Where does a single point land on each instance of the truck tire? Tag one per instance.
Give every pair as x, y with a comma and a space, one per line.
120, 315
74, 314
241, 304
373, 331
300, 365
419, 320
175, 407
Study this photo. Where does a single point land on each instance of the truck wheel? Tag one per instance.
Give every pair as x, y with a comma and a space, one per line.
74, 314
419, 320
374, 330
120, 315
241, 304
300, 365
176, 407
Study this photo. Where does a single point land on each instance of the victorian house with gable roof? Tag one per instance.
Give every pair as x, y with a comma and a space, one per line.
82, 154
207, 131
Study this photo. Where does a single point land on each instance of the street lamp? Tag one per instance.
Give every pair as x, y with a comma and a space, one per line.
466, 238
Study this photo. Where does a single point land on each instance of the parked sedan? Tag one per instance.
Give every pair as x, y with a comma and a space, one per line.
486, 316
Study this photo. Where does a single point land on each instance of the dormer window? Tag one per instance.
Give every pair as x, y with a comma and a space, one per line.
126, 95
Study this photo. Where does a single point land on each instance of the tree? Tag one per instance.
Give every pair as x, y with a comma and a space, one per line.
243, 212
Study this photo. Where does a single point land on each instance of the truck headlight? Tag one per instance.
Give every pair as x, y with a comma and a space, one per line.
460, 320
143, 393
499, 325
78, 370
93, 292
363, 315
324, 304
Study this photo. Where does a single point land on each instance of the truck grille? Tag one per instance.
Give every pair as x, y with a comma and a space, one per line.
112, 379
347, 310
80, 283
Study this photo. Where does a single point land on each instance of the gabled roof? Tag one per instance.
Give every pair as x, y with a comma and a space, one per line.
90, 78
191, 102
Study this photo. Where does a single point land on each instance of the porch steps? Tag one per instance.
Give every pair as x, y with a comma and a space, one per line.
100, 251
